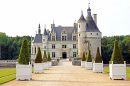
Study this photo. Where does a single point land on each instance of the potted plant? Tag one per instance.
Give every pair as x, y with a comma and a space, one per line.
88, 63
45, 64
83, 60
117, 65
23, 67
38, 66
98, 62
49, 60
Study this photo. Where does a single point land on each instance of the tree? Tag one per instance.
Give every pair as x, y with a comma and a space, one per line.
83, 59
24, 56
116, 57
49, 58
89, 59
38, 58
44, 56
98, 58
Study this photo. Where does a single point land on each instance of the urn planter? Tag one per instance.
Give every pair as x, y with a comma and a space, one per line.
49, 64
23, 71
45, 66
89, 65
38, 67
83, 63
117, 71
98, 67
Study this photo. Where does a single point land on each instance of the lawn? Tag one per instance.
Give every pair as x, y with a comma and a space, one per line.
106, 70
7, 74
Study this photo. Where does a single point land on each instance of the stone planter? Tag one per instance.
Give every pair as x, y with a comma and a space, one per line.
117, 71
38, 67
83, 63
89, 65
23, 71
98, 67
49, 64
45, 66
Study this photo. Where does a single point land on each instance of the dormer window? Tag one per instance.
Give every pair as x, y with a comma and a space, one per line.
74, 38
63, 38
79, 25
97, 33
53, 38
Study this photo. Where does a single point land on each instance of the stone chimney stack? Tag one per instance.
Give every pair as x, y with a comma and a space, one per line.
95, 18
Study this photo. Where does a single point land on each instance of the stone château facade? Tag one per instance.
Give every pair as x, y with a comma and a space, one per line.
63, 42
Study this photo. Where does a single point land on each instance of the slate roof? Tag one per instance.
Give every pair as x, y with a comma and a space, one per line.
91, 26
81, 18
45, 33
38, 38
58, 30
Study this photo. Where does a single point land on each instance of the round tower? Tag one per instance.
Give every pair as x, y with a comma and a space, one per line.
81, 35
45, 41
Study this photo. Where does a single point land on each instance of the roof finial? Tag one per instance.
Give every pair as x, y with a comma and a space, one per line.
45, 26
81, 11
53, 21
88, 5
39, 25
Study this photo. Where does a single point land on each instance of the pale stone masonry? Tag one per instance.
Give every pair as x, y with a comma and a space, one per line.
63, 42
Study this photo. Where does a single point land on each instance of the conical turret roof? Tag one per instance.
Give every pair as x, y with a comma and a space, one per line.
45, 33
81, 17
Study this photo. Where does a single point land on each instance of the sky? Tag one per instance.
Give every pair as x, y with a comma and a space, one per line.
22, 17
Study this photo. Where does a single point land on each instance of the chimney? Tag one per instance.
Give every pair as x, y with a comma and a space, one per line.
95, 18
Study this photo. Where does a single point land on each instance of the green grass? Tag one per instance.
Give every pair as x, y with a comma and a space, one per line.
106, 70
7, 71
6, 74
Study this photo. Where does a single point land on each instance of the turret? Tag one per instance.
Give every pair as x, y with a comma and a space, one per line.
39, 30
81, 35
45, 40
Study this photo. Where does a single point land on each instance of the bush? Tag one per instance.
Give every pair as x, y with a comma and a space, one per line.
83, 59
38, 58
24, 56
44, 56
49, 58
89, 59
98, 58
116, 57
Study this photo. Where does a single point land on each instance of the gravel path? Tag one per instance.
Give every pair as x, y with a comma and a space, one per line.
67, 75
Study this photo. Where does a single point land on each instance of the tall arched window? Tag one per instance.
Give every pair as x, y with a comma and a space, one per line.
35, 50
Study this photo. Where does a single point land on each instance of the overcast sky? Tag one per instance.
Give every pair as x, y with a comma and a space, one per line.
21, 17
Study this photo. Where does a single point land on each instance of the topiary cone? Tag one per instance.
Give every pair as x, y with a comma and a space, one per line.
38, 58
44, 56
24, 56
83, 59
89, 59
98, 58
116, 57
48, 59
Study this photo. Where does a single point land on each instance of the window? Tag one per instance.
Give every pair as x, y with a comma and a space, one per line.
74, 54
53, 38
53, 54
74, 45
79, 25
53, 46
79, 34
97, 33
35, 49
63, 38
44, 47
91, 33
43, 40
74, 38
63, 46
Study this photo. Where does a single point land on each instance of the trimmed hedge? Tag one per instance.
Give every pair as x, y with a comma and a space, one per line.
116, 57
83, 59
89, 59
44, 56
24, 56
38, 58
98, 58
49, 58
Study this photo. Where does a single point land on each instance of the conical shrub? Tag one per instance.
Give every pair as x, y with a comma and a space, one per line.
49, 58
116, 57
89, 59
38, 58
83, 59
44, 56
24, 56
98, 58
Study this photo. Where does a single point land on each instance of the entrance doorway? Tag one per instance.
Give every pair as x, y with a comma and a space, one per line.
64, 55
